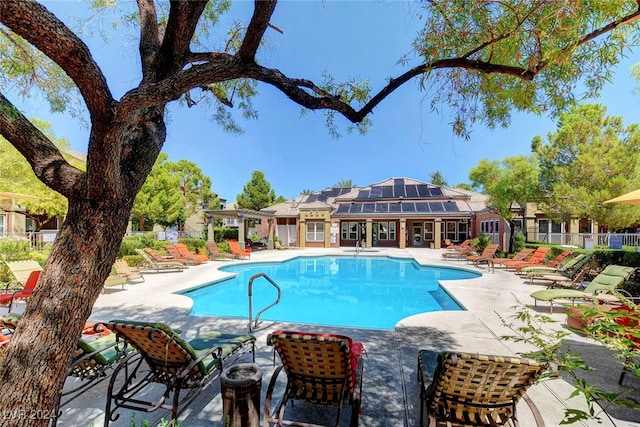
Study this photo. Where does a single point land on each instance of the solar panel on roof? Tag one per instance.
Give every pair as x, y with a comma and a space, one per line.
342, 209
382, 207
387, 192
451, 207
398, 190
363, 194
422, 207
395, 207
368, 207
437, 207
312, 198
356, 208
376, 193
408, 207
398, 181
436, 191
423, 190
411, 190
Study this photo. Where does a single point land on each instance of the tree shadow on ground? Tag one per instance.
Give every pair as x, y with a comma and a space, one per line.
607, 369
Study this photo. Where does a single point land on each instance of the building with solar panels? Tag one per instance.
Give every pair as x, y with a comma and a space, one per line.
397, 212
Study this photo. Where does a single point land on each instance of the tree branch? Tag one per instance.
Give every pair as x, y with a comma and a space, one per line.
259, 22
150, 38
44, 157
181, 25
47, 33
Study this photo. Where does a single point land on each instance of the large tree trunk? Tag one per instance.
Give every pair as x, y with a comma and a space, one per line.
73, 278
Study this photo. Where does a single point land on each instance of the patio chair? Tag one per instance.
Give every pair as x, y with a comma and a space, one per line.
131, 274
94, 359
235, 250
21, 271
189, 259
153, 261
10, 298
321, 369
522, 255
459, 253
166, 361
567, 270
600, 289
488, 253
459, 246
475, 389
214, 252
184, 251
537, 258
553, 263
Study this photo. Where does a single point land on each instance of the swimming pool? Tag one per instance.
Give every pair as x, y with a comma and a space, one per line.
348, 291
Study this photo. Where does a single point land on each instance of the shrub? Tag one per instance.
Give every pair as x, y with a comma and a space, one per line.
481, 242
15, 249
139, 241
194, 244
519, 241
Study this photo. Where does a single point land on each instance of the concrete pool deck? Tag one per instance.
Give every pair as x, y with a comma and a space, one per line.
390, 389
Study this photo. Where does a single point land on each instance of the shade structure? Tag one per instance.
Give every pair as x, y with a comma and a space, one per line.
632, 198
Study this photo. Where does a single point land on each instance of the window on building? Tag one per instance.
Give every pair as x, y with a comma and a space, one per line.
428, 231
451, 231
384, 230
3, 226
315, 231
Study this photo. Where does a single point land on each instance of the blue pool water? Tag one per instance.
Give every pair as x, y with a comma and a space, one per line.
359, 292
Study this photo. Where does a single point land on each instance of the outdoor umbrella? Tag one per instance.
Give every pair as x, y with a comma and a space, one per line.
632, 198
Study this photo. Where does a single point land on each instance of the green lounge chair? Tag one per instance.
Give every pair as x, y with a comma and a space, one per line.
567, 270
159, 266
163, 360
601, 288
96, 356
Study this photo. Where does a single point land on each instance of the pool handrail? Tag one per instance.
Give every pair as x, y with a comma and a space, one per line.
250, 295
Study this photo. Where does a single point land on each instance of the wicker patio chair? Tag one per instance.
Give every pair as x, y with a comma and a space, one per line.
95, 358
475, 389
321, 369
164, 359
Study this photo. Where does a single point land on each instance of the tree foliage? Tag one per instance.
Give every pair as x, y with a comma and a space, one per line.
510, 183
17, 176
589, 159
437, 178
172, 192
257, 193
482, 58
344, 183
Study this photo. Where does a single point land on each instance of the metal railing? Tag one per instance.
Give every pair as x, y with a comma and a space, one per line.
586, 239
250, 295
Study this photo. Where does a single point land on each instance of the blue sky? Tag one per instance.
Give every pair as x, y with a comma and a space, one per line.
346, 38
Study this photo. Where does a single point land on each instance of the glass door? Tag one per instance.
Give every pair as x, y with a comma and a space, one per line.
417, 234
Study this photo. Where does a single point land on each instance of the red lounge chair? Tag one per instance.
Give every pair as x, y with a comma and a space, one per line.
184, 251
235, 249
175, 254
537, 258
10, 298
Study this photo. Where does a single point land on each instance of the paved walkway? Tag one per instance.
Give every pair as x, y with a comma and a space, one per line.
390, 386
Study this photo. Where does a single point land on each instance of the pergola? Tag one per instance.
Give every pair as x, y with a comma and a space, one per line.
241, 215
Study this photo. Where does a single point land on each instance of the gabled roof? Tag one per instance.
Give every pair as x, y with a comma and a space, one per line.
404, 196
